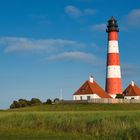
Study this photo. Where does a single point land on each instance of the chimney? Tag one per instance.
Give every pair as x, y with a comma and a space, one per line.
91, 79
132, 83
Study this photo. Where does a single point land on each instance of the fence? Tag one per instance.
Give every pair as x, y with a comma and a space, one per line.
114, 101
103, 100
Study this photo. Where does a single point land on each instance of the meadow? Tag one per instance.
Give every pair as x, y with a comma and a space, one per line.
71, 122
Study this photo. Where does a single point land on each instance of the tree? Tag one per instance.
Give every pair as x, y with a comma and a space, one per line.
16, 104
22, 100
119, 96
23, 103
28, 103
35, 101
12, 106
49, 101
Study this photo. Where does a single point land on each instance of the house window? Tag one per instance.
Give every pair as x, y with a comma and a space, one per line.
80, 97
88, 97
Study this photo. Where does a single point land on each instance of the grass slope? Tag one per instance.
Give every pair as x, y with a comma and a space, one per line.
81, 107
72, 122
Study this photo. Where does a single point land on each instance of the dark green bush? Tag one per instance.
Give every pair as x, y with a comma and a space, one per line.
16, 104
35, 101
12, 106
119, 96
25, 103
49, 101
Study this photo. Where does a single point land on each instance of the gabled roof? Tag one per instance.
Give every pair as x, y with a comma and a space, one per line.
92, 88
132, 90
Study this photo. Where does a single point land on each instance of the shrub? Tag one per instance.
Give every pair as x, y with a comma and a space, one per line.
12, 106
35, 101
23, 104
49, 101
16, 104
28, 103
119, 96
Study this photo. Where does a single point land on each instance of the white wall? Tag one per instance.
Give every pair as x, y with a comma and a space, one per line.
131, 97
84, 97
113, 95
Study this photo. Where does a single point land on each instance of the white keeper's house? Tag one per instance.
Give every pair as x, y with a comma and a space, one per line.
90, 90
132, 91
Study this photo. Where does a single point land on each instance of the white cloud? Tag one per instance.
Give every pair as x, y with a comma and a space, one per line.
133, 18
89, 11
76, 12
54, 49
72, 11
15, 44
77, 55
98, 27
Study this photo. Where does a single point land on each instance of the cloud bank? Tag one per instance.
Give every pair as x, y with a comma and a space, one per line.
98, 27
80, 56
15, 44
53, 49
133, 18
75, 12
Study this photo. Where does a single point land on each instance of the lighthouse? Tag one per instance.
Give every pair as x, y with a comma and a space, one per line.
113, 70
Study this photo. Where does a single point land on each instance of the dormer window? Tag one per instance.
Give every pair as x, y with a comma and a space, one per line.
83, 90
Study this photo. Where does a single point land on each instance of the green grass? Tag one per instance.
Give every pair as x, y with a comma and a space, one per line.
72, 122
82, 107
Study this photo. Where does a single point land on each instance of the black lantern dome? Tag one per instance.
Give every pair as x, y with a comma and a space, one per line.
112, 25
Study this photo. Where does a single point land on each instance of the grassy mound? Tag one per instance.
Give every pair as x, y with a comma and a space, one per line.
81, 107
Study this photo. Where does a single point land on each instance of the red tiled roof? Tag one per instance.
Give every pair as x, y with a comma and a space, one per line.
132, 90
92, 88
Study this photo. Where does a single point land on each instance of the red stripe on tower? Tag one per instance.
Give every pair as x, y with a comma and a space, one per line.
113, 71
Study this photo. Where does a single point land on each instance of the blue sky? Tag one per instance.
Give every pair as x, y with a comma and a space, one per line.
48, 45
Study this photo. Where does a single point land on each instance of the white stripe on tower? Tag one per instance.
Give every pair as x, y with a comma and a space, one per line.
113, 46
113, 71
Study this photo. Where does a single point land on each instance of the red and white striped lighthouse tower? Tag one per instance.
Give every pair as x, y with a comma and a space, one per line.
113, 71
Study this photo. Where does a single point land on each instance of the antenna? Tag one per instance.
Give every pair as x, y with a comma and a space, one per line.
61, 94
